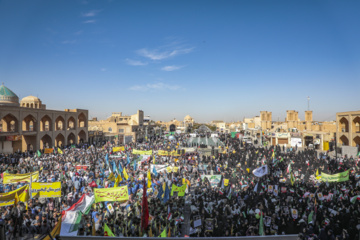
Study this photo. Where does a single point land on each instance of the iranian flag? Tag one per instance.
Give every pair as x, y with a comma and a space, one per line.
83, 205
70, 223
354, 198
169, 217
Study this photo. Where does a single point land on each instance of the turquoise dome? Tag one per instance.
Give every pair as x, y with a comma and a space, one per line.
8, 97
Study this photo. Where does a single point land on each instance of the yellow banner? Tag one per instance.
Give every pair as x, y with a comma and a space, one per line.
117, 194
226, 182
166, 153
149, 152
48, 150
7, 199
172, 169
46, 190
14, 178
117, 149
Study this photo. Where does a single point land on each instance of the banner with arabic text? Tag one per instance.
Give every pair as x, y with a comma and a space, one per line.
46, 190
149, 152
338, 177
7, 199
14, 178
117, 149
117, 194
48, 150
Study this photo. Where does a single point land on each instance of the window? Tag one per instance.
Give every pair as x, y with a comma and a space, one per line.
110, 129
121, 130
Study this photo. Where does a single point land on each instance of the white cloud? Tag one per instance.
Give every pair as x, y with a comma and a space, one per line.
103, 69
155, 86
159, 55
89, 21
135, 62
78, 32
91, 13
68, 42
171, 68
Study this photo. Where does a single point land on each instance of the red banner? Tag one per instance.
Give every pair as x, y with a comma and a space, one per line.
84, 167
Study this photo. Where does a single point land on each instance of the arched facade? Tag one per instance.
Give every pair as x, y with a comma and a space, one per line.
356, 125
30, 126
29, 123
71, 123
9, 123
45, 123
59, 123
348, 128
82, 137
82, 120
344, 141
356, 141
60, 140
71, 139
344, 125
45, 142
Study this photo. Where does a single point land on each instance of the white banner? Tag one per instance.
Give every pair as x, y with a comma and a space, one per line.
261, 171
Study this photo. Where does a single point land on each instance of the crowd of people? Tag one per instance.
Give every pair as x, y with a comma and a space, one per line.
223, 196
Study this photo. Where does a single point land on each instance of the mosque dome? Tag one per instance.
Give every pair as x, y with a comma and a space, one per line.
31, 99
188, 118
8, 97
32, 102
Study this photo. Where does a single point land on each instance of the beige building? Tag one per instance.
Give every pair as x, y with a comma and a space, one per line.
293, 131
179, 125
28, 125
348, 128
123, 128
266, 120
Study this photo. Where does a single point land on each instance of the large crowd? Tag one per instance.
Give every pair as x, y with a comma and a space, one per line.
223, 196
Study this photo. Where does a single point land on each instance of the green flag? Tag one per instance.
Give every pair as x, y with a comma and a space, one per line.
163, 234
310, 218
107, 231
261, 227
38, 153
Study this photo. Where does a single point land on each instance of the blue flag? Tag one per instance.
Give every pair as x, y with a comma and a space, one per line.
155, 172
161, 191
167, 194
107, 159
120, 168
114, 167
135, 165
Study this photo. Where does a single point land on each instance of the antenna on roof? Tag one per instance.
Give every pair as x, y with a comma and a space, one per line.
308, 99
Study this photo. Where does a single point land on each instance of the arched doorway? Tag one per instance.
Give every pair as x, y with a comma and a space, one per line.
343, 125
45, 142
356, 142
9, 123
82, 137
59, 140
172, 128
45, 123
82, 120
30, 147
356, 125
71, 123
59, 123
71, 139
344, 141
29, 123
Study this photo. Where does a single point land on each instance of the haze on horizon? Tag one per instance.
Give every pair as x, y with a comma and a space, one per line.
213, 60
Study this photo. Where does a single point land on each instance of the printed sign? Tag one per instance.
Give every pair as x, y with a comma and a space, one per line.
46, 190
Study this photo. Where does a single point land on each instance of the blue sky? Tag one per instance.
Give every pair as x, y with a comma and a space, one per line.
221, 60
